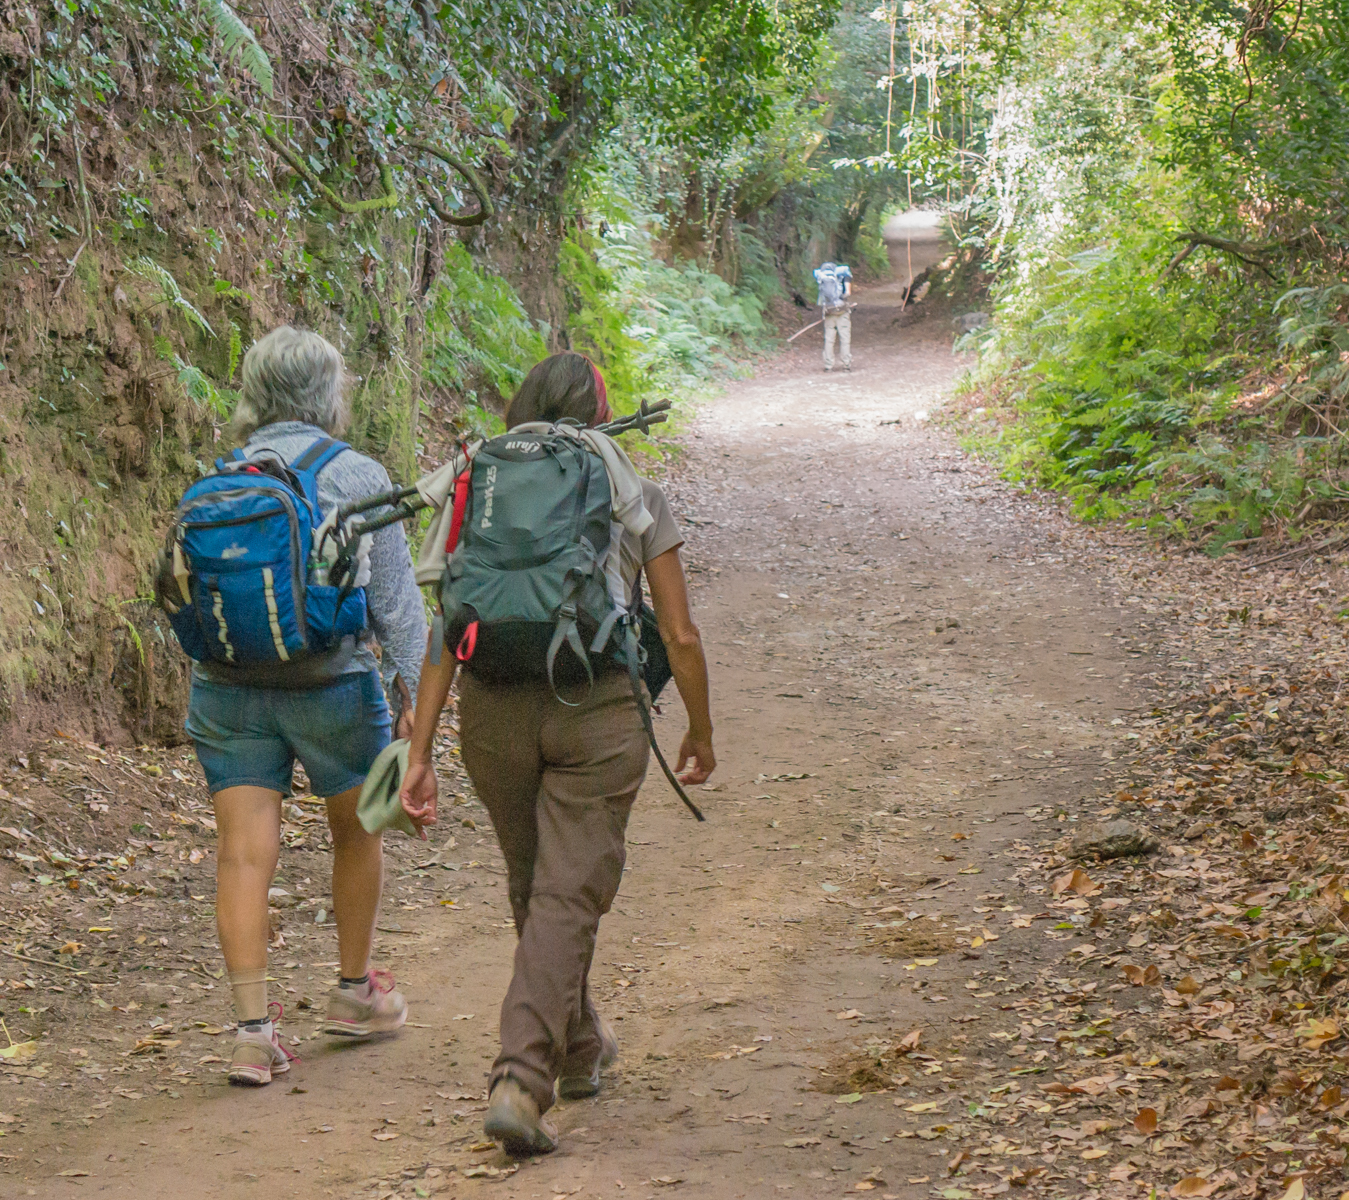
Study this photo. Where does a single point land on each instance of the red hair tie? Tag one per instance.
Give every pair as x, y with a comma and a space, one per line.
602, 413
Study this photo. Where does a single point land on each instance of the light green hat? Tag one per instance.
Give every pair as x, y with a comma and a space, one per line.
379, 807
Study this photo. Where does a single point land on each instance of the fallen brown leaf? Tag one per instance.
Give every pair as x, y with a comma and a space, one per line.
1146, 1121
1193, 1185
1077, 881
1318, 1032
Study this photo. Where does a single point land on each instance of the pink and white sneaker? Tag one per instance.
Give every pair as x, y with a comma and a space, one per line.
258, 1053
360, 1012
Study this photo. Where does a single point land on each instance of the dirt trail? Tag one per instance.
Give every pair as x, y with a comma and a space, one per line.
909, 680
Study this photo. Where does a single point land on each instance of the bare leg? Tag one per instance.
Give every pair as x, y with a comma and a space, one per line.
248, 820
358, 879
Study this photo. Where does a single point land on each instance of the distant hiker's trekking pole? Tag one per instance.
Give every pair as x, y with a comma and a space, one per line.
807, 329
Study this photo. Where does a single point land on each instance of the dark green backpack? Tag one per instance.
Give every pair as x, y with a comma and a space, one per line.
524, 591
524, 594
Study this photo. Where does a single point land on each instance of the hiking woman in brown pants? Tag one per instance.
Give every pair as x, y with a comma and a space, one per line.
559, 781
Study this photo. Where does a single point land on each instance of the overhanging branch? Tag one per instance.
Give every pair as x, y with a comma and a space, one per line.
485, 207
1250, 255
389, 199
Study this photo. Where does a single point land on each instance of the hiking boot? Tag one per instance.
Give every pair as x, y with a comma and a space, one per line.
577, 1086
360, 1012
513, 1120
259, 1054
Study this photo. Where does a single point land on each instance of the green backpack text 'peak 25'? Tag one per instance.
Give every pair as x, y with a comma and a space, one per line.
525, 594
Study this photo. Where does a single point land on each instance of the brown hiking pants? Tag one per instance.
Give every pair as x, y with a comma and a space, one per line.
558, 783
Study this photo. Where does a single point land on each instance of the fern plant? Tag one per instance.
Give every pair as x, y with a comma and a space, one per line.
240, 42
169, 291
202, 391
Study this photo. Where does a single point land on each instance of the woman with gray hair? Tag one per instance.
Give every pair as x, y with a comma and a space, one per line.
331, 714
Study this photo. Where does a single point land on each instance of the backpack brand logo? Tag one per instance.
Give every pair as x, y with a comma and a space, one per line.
524, 447
486, 522
234, 552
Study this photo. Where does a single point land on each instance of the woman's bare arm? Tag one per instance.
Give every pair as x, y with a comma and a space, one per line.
684, 645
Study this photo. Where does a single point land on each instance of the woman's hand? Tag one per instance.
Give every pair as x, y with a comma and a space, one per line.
418, 795
699, 750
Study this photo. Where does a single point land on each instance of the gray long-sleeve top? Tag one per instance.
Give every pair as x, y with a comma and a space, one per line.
397, 614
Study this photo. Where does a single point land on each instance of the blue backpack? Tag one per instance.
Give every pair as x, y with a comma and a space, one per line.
240, 576
831, 277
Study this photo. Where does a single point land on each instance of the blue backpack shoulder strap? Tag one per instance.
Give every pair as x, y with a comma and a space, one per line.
236, 455
313, 460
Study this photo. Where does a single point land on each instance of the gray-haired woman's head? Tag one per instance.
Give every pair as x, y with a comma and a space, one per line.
292, 375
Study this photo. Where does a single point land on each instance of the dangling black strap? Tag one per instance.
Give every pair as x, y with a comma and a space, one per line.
634, 673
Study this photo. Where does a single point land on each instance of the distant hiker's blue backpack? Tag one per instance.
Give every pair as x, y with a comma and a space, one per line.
240, 576
831, 278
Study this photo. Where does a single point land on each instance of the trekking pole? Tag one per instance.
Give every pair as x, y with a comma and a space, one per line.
406, 502
645, 417
399, 512
807, 329
360, 506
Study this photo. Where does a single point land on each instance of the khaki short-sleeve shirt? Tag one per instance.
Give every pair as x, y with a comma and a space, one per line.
662, 536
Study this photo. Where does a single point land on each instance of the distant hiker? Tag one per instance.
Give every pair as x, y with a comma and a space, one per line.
835, 284
284, 671
551, 732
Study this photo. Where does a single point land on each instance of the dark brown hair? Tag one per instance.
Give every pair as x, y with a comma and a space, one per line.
562, 385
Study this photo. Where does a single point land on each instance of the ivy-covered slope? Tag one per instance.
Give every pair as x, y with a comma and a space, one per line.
176, 179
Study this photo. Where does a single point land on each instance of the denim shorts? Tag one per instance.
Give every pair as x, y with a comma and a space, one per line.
251, 736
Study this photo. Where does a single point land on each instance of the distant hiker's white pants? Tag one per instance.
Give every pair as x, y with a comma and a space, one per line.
840, 323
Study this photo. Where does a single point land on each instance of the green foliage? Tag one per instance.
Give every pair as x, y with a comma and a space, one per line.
728, 62
653, 324
536, 85
477, 331
685, 322
152, 232
1165, 223
236, 349
202, 391
240, 42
